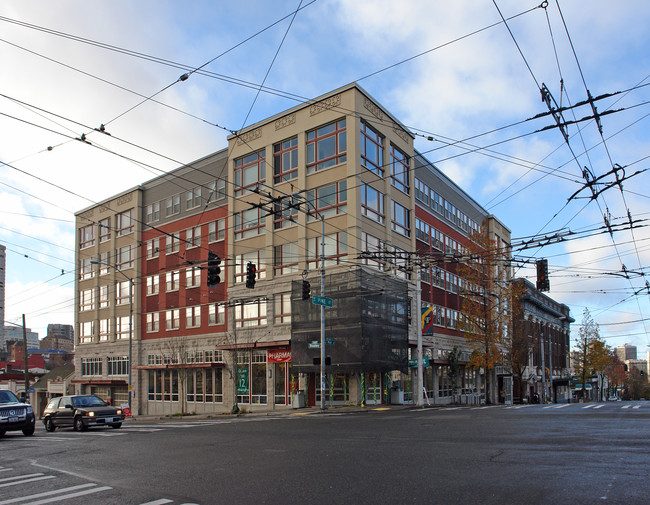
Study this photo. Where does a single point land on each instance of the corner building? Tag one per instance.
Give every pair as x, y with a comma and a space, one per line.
336, 177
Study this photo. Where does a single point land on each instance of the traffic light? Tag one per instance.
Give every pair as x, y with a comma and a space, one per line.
213, 270
306, 290
251, 271
543, 283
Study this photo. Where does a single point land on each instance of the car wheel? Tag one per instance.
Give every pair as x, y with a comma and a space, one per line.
28, 432
49, 425
116, 425
79, 424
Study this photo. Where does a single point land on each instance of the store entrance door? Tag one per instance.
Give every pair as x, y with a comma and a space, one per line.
337, 390
373, 388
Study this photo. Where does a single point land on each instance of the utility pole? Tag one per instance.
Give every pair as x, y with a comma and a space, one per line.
26, 359
323, 405
419, 401
541, 348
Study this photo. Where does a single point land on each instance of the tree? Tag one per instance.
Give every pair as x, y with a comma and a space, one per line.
615, 372
453, 358
582, 355
601, 358
517, 348
488, 301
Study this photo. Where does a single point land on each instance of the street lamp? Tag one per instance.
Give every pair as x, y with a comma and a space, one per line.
97, 262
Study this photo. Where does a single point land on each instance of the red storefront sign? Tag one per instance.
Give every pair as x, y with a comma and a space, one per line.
278, 355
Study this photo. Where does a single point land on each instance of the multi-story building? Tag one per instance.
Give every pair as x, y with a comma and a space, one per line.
626, 352
544, 325
336, 179
61, 331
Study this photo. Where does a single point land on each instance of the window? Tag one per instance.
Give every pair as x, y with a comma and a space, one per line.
152, 212
326, 146
153, 322
336, 248
282, 308
217, 190
86, 331
372, 245
217, 230
87, 236
117, 365
122, 327
216, 314
173, 280
372, 150
250, 314
193, 237
153, 285
249, 223
422, 231
193, 316
87, 300
172, 205
452, 318
122, 290
104, 229
399, 169
86, 269
285, 160
103, 296
249, 170
172, 319
153, 248
401, 220
285, 258
285, 214
104, 261
372, 203
125, 222
104, 329
193, 277
422, 192
328, 200
124, 257
258, 258
173, 242
193, 198
91, 366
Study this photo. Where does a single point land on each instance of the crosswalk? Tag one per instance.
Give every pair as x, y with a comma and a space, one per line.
21, 487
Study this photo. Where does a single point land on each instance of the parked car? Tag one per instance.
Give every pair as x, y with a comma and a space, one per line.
15, 415
80, 412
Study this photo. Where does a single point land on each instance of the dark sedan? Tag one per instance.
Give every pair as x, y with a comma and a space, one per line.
80, 413
15, 415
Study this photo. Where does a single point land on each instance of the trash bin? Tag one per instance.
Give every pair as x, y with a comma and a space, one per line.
396, 396
298, 400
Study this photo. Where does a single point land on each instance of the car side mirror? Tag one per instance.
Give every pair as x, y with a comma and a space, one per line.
68, 406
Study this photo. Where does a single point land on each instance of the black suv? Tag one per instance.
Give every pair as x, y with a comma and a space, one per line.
80, 412
15, 415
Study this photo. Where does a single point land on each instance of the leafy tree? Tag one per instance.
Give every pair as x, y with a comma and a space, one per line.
615, 372
488, 301
581, 356
601, 358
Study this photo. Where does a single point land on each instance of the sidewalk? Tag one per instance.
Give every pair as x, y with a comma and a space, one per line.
267, 413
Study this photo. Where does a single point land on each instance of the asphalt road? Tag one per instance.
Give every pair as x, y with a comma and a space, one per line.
573, 454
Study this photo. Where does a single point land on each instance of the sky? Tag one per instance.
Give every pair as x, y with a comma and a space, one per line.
464, 76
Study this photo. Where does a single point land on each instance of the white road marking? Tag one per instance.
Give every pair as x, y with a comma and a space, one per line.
48, 493
70, 495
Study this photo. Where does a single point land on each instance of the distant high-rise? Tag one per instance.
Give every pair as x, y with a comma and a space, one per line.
626, 351
64, 331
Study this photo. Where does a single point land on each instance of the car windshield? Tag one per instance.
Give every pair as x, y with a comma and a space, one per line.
87, 401
8, 397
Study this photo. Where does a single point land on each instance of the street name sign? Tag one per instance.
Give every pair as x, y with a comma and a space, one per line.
321, 300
